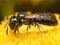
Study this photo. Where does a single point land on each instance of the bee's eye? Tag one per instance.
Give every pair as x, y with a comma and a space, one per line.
14, 19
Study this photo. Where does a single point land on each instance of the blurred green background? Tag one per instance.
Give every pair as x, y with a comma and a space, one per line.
8, 7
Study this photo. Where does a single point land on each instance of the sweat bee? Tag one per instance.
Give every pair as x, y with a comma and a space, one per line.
35, 19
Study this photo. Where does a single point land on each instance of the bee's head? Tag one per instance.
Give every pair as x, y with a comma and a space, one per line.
13, 18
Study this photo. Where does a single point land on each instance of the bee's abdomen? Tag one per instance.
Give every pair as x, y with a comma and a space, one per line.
47, 19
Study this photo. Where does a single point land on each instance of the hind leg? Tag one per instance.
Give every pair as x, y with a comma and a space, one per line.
36, 24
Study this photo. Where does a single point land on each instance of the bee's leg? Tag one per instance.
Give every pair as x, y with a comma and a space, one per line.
7, 30
28, 28
15, 31
38, 28
16, 28
6, 25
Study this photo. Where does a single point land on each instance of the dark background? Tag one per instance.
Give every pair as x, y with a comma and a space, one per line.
8, 7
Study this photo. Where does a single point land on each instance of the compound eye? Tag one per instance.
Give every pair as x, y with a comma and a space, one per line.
14, 19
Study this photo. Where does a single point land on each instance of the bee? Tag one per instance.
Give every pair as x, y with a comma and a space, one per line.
48, 19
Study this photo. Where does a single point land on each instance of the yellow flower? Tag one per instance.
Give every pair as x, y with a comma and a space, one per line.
50, 36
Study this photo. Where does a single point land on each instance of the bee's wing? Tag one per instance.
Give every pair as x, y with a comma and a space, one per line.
32, 16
